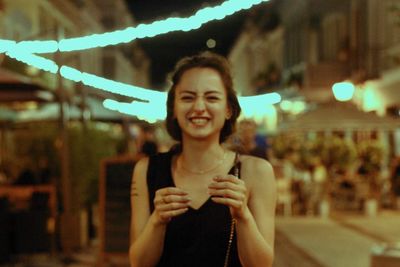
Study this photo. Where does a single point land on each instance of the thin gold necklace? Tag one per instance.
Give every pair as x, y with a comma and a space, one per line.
199, 172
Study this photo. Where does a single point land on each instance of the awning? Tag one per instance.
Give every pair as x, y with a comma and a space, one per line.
18, 88
51, 112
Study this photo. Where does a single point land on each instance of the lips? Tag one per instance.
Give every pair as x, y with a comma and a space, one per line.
199, 121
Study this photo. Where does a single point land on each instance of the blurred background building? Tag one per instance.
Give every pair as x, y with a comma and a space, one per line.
45, 118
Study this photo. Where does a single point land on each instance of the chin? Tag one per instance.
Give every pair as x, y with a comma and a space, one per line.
202, 134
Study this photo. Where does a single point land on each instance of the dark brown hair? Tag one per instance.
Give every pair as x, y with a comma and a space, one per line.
203, 60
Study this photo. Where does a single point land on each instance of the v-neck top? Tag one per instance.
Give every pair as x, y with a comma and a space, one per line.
198, 237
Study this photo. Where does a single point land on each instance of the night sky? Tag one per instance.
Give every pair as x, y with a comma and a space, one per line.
165, 50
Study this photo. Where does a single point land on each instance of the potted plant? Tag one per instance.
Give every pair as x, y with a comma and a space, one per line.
88, 146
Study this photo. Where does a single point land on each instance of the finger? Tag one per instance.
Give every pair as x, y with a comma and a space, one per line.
228, 178
161, 200
227, 185
171, 191
158, 201
228, 202
227, 193
176, 198
173, 213
172, 206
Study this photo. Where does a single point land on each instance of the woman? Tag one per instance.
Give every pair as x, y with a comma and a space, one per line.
188, 209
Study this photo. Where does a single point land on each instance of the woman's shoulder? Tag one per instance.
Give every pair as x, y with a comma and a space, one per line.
258, 175
252, 166
154, 163
142, 165
254, 162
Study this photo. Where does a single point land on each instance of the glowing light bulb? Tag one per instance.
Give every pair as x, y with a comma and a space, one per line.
343, 91
211, 43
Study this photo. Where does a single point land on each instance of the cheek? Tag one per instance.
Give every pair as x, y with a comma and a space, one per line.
180, 113
176, 109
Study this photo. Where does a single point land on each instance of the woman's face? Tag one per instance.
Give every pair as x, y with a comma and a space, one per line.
201, 103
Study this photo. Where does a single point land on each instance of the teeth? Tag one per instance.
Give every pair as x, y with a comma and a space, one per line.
199, 121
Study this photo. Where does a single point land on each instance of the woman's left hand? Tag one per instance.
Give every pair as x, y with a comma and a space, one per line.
230, 191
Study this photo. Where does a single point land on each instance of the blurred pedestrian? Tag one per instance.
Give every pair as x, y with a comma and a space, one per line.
318, 185
248, 141
26, 174
201, 204
149, 145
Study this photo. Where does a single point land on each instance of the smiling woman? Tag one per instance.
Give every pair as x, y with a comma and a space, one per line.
212, 76
200, 104
200, 204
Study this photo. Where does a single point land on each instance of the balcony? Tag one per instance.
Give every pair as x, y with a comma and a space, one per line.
319, 78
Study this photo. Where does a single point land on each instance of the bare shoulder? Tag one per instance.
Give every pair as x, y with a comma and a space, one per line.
141, 167
255, 165
256, 170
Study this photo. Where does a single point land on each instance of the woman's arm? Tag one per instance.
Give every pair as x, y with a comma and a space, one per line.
252, 203
147, 237
256, 230
148, 230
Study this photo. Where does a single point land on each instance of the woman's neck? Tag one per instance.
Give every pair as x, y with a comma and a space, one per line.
201, 156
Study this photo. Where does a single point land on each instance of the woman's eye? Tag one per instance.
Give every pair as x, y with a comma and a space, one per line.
186, 98
213, 98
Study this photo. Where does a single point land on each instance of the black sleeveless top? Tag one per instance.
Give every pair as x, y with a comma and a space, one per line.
199, 237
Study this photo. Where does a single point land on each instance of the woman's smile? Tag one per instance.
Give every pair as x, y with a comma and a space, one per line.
199, 121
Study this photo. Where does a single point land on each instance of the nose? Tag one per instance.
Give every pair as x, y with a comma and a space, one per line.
199, 105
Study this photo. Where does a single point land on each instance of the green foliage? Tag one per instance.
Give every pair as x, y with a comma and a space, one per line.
33, 142
335, 153
341, 154
87, 148
371, 154
284, 145
394, 10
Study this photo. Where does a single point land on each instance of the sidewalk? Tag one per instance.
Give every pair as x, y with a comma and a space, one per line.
345, 240
341, 241
383, 228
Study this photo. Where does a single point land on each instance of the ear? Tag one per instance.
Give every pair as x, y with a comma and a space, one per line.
228, 114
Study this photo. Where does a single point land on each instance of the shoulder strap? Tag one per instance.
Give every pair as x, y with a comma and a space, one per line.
236, 170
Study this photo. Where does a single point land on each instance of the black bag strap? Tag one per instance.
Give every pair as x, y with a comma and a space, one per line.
236, 170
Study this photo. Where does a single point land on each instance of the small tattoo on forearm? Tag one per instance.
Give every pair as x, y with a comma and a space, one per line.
134, 192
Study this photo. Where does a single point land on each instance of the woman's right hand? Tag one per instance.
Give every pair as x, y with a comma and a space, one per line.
170, 202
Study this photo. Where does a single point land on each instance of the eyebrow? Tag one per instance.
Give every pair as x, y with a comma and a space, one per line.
194, 93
